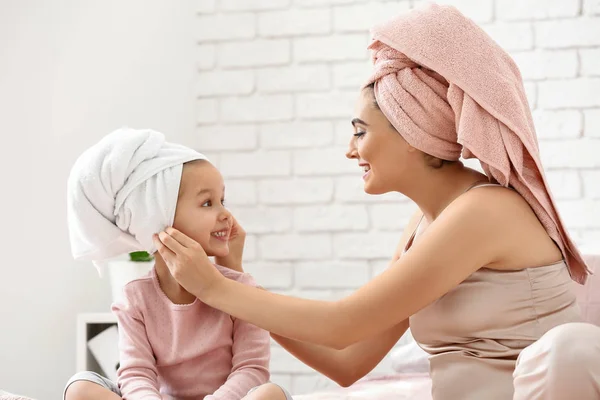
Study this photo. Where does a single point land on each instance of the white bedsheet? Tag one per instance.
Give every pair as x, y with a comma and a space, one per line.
391, 387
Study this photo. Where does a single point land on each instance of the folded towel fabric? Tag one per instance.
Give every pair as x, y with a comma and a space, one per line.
450, 90
121, 191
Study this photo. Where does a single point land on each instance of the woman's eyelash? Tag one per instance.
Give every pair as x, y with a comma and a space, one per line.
359, 134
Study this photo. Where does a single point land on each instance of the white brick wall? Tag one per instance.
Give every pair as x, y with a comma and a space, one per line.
277, 81
294, 22
592, 122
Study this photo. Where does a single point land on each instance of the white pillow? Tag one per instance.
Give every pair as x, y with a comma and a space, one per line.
10, 396
409, 357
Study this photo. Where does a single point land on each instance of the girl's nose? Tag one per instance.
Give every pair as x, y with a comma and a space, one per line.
225, 214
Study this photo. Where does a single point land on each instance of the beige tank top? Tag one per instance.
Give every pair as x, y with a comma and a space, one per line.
475, 332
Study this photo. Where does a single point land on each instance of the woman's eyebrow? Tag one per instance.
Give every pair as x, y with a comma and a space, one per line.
359, 121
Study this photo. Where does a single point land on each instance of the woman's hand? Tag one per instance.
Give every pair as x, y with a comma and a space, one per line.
187, 261
237, 239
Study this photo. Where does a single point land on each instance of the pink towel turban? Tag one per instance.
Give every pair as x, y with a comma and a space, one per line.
473, 105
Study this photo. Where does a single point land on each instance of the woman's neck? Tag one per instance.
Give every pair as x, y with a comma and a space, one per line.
434, 192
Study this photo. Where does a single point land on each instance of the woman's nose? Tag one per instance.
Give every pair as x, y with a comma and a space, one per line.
351, 152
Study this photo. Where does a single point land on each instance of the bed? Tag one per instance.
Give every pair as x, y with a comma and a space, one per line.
415, 386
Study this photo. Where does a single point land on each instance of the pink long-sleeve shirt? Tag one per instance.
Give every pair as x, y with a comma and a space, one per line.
190, 351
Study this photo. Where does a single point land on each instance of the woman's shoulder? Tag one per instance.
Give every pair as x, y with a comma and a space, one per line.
491, 201
506, 217
479, 219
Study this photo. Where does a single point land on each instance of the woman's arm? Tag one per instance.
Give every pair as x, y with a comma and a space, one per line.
469, 234
350, 364
406, 234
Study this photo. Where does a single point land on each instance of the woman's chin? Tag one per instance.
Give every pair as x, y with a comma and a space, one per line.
369, 188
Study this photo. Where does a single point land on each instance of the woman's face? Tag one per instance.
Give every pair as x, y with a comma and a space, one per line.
379, 149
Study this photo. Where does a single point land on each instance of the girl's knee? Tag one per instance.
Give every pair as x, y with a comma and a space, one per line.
267, 391
79, 390
85, 390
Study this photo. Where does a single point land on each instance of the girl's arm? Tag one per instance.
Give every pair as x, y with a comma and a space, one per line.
137, 375
251, 350
469, 234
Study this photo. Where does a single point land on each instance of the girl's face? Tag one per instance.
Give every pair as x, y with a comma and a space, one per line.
200, 212
385, 157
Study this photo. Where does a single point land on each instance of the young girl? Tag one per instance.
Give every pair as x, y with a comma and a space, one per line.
123, 190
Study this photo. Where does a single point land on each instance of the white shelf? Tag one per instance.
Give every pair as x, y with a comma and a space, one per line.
88, 326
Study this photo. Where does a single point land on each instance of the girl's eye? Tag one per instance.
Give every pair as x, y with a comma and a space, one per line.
207, 203
223, 202
359, 134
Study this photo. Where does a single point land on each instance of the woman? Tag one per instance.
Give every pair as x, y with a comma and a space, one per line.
485, 280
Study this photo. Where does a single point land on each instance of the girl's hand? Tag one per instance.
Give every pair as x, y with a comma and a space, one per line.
187, 261
237, 239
